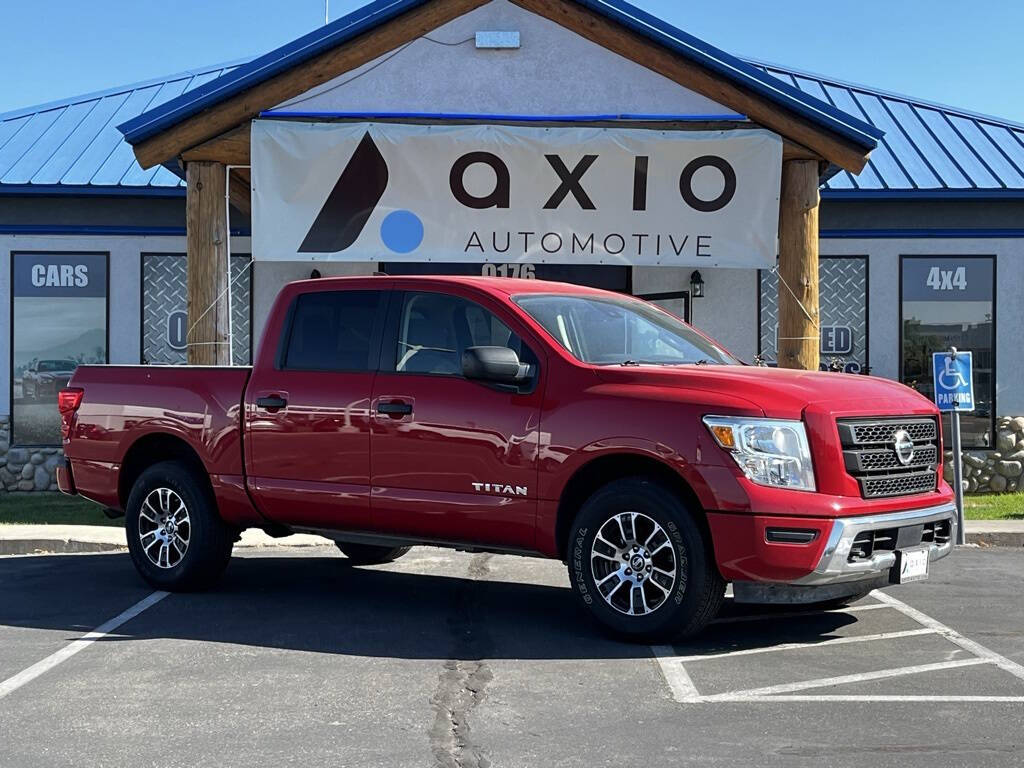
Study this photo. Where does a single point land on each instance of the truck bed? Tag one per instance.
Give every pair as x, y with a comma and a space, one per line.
123, 404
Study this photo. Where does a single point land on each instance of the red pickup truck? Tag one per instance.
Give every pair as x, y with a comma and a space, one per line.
519, 416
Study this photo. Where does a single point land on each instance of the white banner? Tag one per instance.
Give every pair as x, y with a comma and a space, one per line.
479, 193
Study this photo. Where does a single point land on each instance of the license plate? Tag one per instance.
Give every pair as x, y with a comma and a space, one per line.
912, 565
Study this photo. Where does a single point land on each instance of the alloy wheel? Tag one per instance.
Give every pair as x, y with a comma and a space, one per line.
164, 527
633, 563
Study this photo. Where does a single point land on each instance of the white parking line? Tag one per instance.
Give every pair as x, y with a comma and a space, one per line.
684, 691
676, 676
859, 677
811, 644
952, 635
12, 684
726, 698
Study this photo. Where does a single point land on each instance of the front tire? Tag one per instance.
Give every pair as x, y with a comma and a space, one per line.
176, 538
640, 564
368, 554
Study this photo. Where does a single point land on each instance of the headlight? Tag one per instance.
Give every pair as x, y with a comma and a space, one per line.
769, 451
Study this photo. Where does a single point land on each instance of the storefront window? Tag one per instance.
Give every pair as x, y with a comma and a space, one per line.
843, 297
948, 301
59, 321
165, 309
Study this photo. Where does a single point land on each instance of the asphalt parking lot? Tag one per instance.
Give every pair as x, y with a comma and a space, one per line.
449, 659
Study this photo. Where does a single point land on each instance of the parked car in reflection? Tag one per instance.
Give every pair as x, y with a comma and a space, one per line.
46, 378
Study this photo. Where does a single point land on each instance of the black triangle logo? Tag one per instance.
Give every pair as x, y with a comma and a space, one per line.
348, 207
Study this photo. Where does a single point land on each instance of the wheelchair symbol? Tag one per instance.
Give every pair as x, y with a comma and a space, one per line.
950, 377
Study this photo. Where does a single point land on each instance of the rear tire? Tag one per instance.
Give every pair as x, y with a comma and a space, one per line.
368, 554
651, 579
176, 538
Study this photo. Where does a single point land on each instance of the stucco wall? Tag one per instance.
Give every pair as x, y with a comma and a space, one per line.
123, 296
884, 257
554, 72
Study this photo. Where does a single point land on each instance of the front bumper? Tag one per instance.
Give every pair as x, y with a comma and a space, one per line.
838, 576
835, 565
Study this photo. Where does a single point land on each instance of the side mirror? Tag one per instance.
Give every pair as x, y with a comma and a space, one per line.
500, 365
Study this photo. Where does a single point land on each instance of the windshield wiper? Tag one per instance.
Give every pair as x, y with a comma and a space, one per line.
625, 363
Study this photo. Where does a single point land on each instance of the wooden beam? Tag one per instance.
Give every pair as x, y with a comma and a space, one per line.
231, 148
207, 281
645, 52
799, 317
240, 190
328, 65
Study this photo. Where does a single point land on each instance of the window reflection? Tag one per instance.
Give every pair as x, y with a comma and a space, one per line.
948, 302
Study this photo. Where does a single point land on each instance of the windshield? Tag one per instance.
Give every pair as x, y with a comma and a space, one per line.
57, 365
620, 331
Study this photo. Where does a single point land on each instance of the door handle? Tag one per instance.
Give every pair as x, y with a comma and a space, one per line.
271, 402
394, 409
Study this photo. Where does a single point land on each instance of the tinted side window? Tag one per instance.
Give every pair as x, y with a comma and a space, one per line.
434, 329
332, 331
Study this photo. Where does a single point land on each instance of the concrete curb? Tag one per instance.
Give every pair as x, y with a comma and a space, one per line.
56, 547
84, 539
996, 538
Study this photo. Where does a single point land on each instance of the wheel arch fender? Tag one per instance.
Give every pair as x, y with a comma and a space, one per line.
608, 461
152, 448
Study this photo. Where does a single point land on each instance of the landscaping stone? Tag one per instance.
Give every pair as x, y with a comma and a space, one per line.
1009, 468
18, 455
996, 471
42, 478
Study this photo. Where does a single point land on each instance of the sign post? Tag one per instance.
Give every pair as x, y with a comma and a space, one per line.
954, 392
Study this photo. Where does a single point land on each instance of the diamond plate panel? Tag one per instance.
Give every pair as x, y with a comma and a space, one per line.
843, 286
163, 293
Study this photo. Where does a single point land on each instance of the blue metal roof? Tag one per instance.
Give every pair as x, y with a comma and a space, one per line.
929, 150
817, 110
74, 146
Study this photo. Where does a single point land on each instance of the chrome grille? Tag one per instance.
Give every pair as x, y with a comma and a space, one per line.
869, 454
920, 430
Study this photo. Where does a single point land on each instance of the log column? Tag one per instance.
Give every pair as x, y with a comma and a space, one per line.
206, 224
799, 339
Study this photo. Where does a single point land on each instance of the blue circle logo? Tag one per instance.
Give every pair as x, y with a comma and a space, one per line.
402, 231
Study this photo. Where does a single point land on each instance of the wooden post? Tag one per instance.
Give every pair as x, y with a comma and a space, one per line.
799, 340
207, 265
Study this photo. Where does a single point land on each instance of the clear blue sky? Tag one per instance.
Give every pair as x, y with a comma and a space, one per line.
966, 54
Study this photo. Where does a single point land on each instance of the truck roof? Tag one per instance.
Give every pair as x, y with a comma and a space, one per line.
508, 286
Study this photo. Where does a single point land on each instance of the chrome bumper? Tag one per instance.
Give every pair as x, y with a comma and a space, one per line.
834, 566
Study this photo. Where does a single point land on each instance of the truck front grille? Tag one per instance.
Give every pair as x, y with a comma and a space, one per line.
869, 453
867, 543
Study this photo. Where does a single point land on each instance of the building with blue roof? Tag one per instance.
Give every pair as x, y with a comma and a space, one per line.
938, 204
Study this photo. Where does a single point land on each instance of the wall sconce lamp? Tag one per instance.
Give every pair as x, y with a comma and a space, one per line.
696, 285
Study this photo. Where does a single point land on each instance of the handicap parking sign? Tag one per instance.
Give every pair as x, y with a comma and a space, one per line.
954, 383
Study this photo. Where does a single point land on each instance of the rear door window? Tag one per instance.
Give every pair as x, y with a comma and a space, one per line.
335, 331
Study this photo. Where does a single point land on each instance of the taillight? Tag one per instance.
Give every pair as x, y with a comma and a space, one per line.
68, 400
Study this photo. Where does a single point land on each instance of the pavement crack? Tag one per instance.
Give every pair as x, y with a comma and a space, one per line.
462, 683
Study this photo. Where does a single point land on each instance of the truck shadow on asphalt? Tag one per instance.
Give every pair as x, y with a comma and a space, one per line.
324, 605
